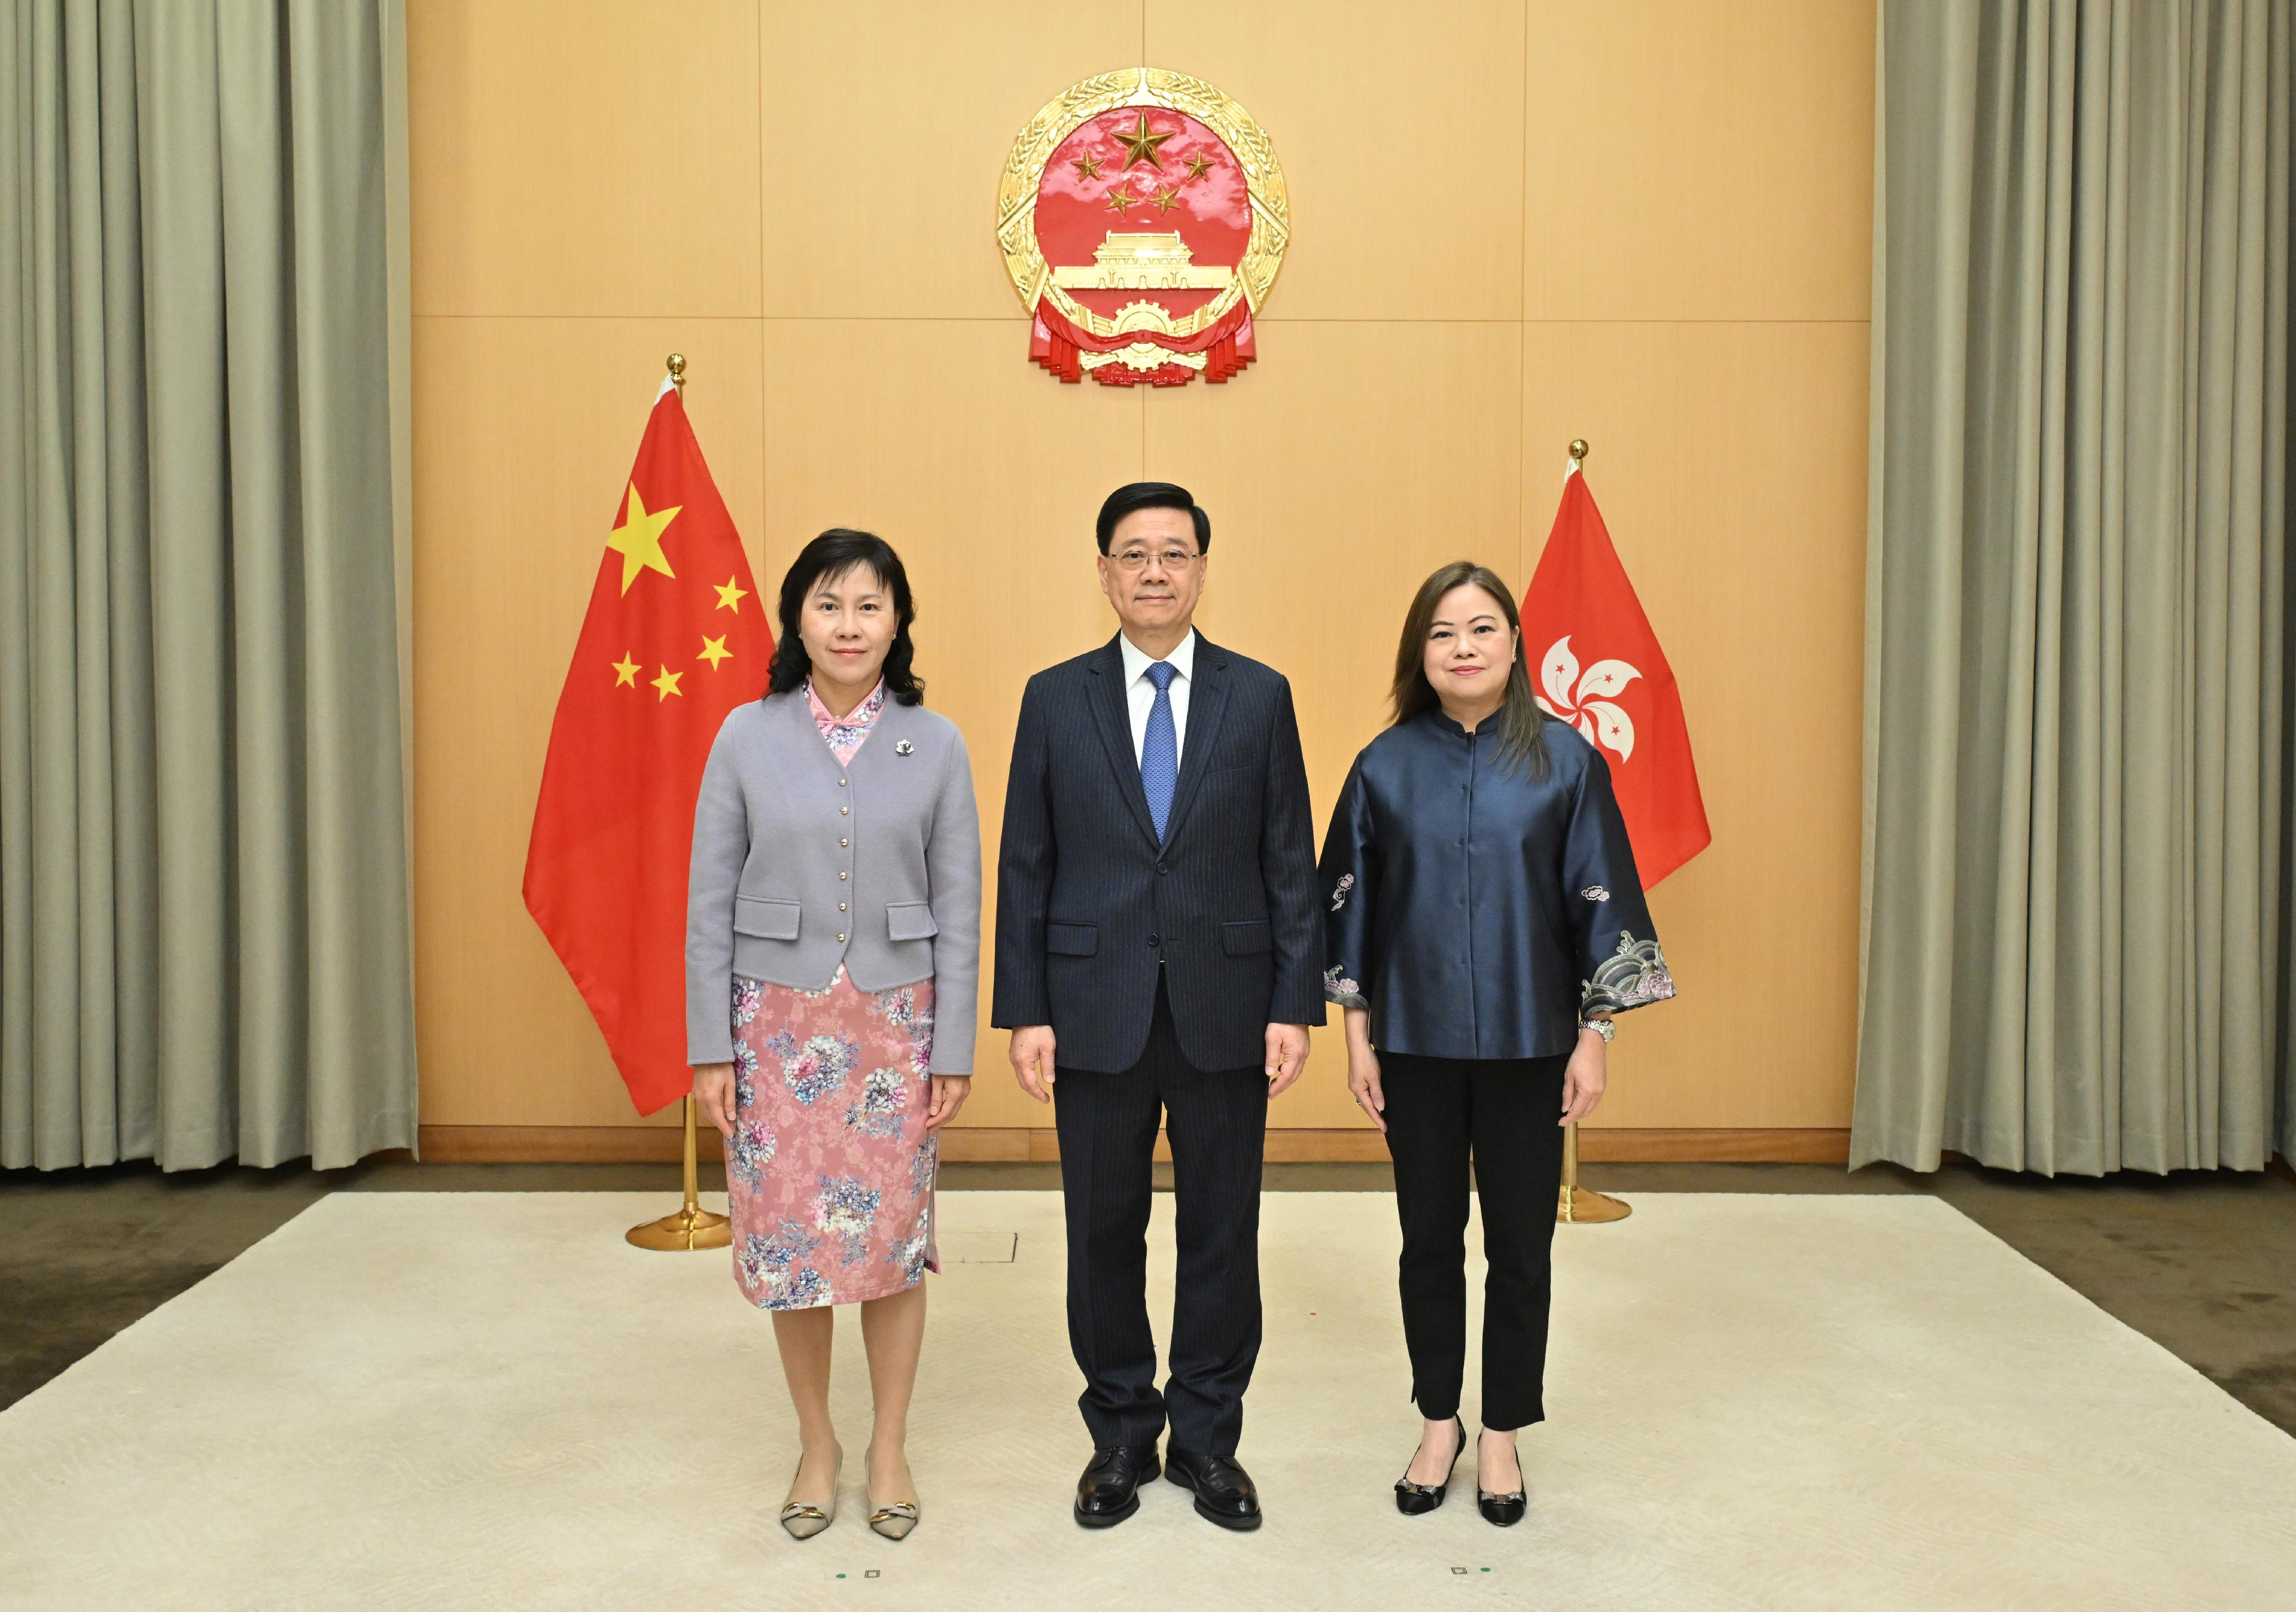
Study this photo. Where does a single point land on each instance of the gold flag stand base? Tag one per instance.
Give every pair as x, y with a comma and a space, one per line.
691, 1227
1578, 1205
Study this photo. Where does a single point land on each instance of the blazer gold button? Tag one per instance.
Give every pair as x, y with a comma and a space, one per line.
845, 811
845, 842
841, 938
841, 906
840, 783
843, 875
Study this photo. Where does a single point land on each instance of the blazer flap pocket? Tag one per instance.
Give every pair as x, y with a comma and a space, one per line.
1072, 940
1246, 939
766, 921
910, 921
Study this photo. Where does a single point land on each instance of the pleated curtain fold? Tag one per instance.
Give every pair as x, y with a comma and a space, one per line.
204, 921
2076, 949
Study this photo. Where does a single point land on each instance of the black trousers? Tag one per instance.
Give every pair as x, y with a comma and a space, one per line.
1503, 1113
1217, 1123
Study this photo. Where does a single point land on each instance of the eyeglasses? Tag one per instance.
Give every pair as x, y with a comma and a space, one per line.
1174, 559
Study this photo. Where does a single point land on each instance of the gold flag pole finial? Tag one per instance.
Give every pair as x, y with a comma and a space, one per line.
677, 372
1578, 450
692, 1227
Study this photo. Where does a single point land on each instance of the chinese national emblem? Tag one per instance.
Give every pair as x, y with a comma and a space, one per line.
1143, 217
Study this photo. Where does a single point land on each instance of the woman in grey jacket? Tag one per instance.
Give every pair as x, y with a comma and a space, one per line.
832, 952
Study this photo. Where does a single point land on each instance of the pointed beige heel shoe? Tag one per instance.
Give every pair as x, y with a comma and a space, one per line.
893, 1521
804, 1520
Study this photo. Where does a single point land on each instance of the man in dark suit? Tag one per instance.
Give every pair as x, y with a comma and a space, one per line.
1159, 950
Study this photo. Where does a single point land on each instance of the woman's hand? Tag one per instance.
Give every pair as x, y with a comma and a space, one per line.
1363, 1068
1584, 1077
713, 1093
948, 1094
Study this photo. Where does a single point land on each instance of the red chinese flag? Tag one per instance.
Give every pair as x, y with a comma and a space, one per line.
675, 637
1597, 665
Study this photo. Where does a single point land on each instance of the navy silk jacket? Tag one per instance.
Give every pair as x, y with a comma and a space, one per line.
1475, 912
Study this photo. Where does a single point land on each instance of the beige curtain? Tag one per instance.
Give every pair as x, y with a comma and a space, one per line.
2076, 721
204, 929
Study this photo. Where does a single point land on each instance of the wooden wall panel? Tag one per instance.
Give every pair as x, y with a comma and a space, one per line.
1708, 161
885, 131
523, 430
584, 157
1400, 132
1517, 221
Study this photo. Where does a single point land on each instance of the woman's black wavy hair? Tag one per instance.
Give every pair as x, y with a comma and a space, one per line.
832, 553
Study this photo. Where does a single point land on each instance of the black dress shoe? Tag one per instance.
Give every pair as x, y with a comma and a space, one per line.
1109, 1491
1416, 1500
1504, 1510
1224, 1490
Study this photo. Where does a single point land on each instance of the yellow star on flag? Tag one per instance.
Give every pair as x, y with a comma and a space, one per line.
730, 595
638, 539
626, 672
713, 650
667, 683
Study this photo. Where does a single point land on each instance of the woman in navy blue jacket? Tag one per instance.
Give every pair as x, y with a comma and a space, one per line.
1485, 925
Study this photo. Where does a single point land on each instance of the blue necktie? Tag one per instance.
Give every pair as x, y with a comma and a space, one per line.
1159, 749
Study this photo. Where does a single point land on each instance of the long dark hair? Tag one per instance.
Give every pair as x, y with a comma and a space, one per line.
832, 553
1521, 723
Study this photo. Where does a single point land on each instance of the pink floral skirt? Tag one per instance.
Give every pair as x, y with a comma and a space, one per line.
830, 1173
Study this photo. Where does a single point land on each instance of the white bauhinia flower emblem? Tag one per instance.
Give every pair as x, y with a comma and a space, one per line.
1584, 701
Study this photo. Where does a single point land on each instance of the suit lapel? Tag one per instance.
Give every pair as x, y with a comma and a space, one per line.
1114, 720
1207, 706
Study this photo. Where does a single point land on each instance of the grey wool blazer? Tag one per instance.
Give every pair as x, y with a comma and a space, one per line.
800, 863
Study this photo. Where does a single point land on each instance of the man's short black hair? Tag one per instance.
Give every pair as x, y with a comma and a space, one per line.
1151, 494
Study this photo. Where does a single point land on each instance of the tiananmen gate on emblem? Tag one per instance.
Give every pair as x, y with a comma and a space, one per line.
1143, 217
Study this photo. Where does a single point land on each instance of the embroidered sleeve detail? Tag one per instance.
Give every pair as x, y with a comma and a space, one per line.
1340, 890
1345, 991
1634, 976
1595, 892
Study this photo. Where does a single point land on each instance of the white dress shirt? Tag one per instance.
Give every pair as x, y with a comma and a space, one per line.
1140, 693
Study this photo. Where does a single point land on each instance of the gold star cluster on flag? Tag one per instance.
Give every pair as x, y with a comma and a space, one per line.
638, 541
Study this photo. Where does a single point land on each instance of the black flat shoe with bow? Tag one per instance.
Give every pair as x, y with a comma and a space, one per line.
1109, 1491
1225, 1492
1416, 1500
1503, 1510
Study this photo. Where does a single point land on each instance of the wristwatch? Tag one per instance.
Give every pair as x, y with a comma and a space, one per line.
1602, 1027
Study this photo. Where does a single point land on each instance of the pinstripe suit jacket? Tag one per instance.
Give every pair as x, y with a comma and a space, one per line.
1088, 903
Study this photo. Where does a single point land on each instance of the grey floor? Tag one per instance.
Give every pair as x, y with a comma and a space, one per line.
2204, 1264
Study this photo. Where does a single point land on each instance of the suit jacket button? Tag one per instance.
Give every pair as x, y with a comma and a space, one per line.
841, 940
1155, 940
1161, 868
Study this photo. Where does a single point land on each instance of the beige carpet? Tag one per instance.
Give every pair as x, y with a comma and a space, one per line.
449, 1401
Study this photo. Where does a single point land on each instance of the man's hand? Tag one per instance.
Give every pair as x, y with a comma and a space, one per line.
1031, 1052
1287, 1056
713, 1093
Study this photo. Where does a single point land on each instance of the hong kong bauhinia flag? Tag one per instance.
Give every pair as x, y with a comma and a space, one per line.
675, 638
1597, 665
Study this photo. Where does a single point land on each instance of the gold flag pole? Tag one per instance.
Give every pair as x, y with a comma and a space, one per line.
691, 1227
1577, 1206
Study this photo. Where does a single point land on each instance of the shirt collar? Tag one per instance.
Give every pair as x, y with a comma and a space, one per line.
860, 716
1183, 658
